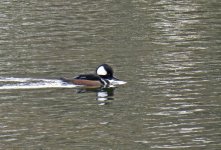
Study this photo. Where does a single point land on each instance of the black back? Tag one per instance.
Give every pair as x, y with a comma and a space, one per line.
88, 77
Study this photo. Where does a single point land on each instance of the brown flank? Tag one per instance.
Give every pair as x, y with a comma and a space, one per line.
86, 82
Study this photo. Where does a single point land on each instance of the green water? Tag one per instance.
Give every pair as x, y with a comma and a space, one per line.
168, 52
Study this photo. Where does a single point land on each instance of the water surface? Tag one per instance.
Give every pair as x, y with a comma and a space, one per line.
167, 51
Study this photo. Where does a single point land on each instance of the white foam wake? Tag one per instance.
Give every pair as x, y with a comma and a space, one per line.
31, 83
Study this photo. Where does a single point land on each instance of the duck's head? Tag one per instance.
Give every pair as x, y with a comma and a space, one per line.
105, 71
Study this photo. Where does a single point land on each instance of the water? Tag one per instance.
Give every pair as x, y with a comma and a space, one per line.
168, 52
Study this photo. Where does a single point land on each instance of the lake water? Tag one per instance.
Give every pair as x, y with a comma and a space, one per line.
168, 52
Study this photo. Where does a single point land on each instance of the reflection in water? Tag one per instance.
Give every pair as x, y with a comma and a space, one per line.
104, 95
175, 23
181, 70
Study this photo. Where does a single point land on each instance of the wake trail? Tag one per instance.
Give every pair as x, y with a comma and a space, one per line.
32, 83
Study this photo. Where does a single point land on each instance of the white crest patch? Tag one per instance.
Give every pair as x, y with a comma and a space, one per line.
101, 71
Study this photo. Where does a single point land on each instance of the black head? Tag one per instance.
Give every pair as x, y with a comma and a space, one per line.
105, 71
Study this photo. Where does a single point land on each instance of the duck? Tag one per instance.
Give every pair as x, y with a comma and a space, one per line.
103, 77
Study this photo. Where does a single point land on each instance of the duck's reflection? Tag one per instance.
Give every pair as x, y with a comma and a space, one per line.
104, 95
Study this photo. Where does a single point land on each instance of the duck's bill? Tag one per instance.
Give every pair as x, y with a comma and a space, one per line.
115, 81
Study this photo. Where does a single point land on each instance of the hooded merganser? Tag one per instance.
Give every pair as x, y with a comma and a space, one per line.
103, 77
